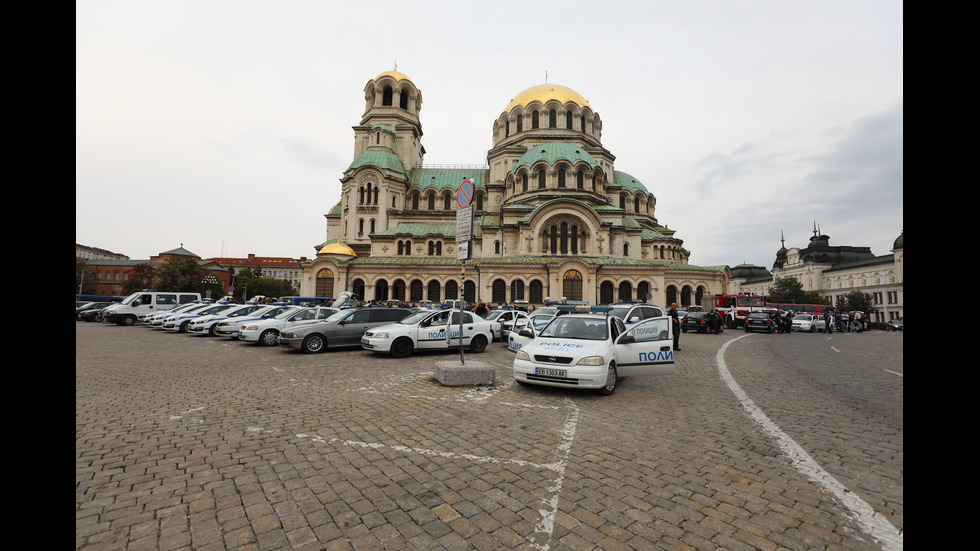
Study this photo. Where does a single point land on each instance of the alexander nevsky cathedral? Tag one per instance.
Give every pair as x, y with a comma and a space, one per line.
553, 218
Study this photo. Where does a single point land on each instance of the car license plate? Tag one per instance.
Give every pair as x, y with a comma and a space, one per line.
549, 372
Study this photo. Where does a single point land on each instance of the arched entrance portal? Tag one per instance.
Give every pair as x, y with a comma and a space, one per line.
571, 286
324, 283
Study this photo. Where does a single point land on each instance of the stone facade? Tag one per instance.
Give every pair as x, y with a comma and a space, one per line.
553, 217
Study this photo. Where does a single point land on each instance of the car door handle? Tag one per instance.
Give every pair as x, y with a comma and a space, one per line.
664, 348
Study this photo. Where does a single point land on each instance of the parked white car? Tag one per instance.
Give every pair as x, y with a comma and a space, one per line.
181, 321
156, 319
593, 351
429, 330
534, 323
499, 320
231, 327
207, 323
266, 332
804, 322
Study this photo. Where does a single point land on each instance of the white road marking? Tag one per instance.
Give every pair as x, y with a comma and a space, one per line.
871, 522
894, 372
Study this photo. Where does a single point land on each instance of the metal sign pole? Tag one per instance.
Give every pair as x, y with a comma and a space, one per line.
462, 286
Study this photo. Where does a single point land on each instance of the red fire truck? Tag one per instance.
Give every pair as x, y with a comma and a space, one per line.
734, 308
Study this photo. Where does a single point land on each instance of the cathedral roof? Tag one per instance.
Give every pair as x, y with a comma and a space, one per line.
380, 158
544, 93
628, 182
552, 152
337, 248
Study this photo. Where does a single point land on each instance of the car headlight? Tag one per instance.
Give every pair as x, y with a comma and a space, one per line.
592, 360
381, 335
250, 327
289, 335
522, 355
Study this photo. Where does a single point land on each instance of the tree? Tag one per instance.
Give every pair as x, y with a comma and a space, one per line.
857, 301
814, 297
271, 287
141, 277
786, 289
180, 275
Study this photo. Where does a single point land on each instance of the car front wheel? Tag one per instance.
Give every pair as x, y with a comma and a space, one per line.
269, 337
402, 348
314, 343
611, 380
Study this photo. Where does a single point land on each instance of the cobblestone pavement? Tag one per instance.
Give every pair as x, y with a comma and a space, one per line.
188, 442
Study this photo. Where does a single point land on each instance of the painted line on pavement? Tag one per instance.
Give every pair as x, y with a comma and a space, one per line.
871, 522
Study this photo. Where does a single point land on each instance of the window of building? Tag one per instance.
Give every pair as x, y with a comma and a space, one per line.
534, 120
552, 119
386, 96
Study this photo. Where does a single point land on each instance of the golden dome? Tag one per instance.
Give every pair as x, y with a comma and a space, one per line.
393, 74
337, 248
546, 92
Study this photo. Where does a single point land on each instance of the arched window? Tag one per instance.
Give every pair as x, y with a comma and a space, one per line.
386, 96
554, 240
479, 201
564, 238
499, 291
432, 201
583, 123
415, 290
360, 229
535, 292
372, 225
452, 290
568, 120
381, 290
496, 247
360, 195
507, 129
636, 205
517, 290
520, 122
447, 202
541, 179
534, 120
433, 291
625, 291
415, 201
552, 119
606, 293
643, 289
622, 202
358, 287
403, 99
574, 239
524, 182
561, 177
626, 249
580, 180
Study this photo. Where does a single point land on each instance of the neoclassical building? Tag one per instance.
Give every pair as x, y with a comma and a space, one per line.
553, 216
834, 271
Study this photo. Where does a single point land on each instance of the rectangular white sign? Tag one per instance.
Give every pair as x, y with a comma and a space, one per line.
463, 250
464, 224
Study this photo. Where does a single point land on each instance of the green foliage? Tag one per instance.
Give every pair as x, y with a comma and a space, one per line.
814, 297
856, 300
270, 287
180, 275
786, 289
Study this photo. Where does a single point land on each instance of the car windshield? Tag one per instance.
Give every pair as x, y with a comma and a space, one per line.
495, 314
416, 317
620, 312
285, 314
567, 327
759, 315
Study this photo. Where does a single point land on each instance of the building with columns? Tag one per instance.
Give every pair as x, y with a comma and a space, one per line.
554, 218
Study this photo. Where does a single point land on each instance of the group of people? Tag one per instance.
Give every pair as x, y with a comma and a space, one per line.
845, 321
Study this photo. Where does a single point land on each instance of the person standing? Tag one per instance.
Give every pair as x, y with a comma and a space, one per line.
481, 310
676, 325
828, 323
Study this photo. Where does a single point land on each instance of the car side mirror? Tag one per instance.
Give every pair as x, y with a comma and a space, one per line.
626, 339
526, 333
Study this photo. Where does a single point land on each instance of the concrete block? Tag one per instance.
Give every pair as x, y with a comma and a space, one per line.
454, 373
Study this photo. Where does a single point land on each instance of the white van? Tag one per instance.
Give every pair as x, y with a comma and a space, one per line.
139, 305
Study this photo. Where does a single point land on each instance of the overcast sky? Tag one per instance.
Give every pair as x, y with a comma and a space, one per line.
225, 126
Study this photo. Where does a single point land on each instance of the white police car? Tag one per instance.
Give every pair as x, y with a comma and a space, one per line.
593, 351
502, 320
428, 330
208, 323
535, 322
181, 321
